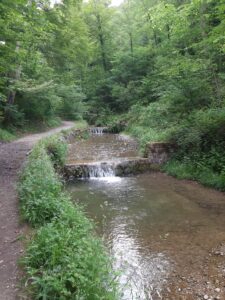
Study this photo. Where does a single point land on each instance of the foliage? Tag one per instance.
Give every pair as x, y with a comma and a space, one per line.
151, 123
160, 62
14, 116
72, 106
39, 188
40, 47
60, 261
6, 136
56, 149
167, 76
197, 170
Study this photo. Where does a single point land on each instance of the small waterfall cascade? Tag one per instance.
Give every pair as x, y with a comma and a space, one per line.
101, 170
116, 168
91, 170
98, 130
104, 156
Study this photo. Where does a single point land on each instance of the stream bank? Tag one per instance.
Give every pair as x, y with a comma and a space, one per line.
12, 158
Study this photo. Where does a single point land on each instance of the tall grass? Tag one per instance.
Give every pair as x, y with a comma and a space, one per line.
199, 171
64, 259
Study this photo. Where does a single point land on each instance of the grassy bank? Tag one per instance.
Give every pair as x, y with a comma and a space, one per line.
196, 170
64, 259
199, 137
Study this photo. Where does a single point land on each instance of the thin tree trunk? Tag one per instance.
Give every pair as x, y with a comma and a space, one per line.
15, 77
131, 43
213, 71
102, 41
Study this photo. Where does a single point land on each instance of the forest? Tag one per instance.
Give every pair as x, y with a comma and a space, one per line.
152, 68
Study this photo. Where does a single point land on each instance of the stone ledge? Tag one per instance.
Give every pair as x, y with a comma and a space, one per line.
129, 166
159, 153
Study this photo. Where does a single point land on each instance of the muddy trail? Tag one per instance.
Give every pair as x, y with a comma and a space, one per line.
12, 157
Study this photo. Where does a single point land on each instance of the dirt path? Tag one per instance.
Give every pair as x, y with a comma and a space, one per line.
12, 157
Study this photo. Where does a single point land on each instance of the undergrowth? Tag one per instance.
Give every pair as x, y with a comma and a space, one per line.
198, 135
6, 136
200, 170
64, 259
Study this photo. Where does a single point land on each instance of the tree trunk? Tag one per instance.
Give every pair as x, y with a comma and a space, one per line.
15, 76
102, 41
131, 43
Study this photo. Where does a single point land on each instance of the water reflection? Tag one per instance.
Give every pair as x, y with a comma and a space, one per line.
141, 275
109, 201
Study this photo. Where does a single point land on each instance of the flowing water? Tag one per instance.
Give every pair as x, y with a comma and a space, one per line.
154, 226
102, 147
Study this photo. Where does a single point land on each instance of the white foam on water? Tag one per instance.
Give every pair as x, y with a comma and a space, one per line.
101, 170
97, 130
109, 180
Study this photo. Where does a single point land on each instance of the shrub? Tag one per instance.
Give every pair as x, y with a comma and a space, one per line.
39, 104
198, 170
13, 116
72, 104
64, 261
53, 122
57, 150
39, 188
5, 135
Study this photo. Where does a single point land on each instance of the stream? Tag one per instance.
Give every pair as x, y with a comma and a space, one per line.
166, 236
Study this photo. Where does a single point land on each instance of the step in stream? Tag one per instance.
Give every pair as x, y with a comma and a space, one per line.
123, 167
104, 155
98, 130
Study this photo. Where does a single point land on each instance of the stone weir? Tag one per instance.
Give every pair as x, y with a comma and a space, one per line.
121, 167
98, 130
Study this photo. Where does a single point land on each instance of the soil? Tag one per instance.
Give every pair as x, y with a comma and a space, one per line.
12, 158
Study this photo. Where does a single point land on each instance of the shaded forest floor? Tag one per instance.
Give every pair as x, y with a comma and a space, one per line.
12, 157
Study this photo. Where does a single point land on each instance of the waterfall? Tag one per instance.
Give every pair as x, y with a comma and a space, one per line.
98, 130
91, 170
101, 170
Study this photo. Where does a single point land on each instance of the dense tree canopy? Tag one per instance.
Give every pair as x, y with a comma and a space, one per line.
44, 52
159, 66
